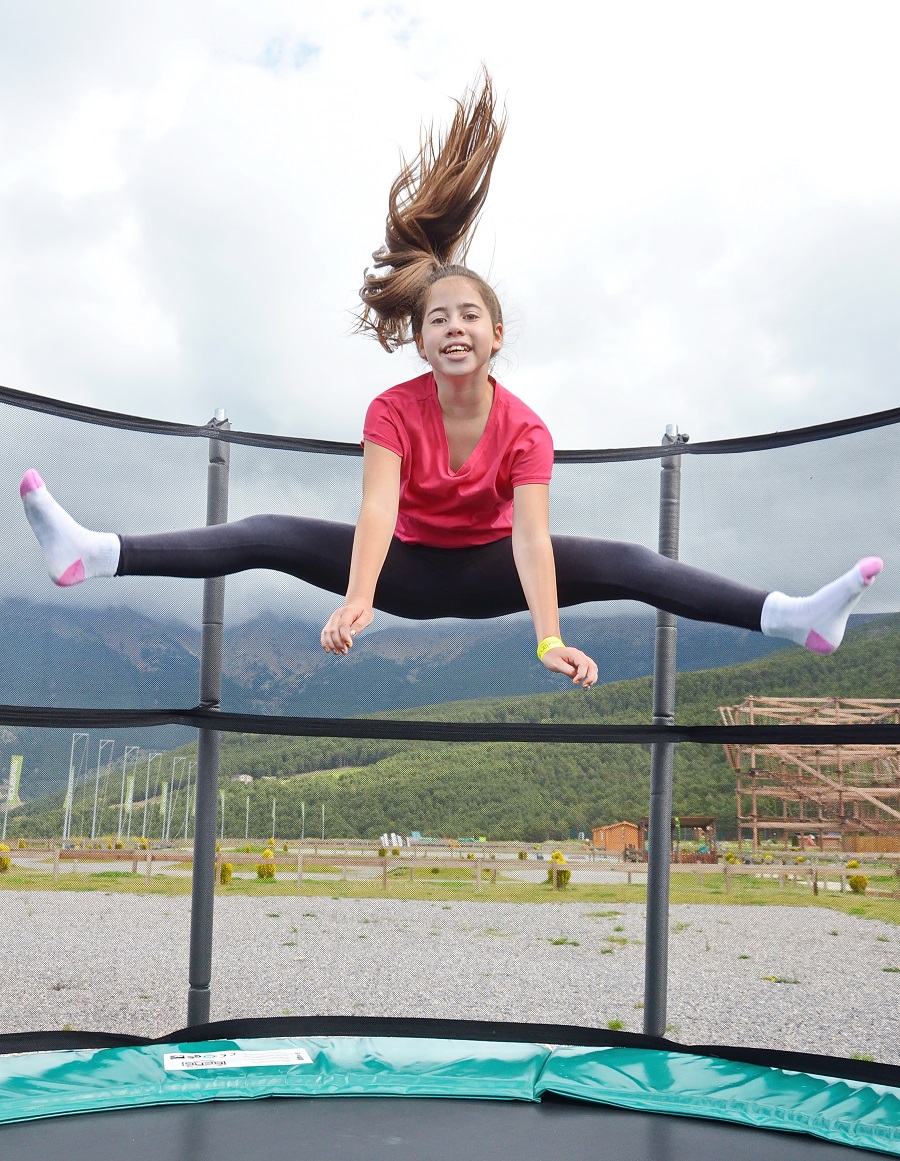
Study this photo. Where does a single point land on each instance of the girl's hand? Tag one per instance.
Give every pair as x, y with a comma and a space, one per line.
343, 625
573, 663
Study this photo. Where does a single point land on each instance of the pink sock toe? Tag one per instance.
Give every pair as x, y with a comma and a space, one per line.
73, 575
30, 481
869, 568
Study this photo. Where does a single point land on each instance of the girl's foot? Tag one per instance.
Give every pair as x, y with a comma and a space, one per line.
72, 553
818, 622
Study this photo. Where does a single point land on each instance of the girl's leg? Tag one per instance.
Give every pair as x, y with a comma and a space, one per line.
316, 551
416, 582
605, 570
312, 550
608, 570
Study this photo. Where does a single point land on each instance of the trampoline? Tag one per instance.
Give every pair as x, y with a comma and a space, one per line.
348, 1087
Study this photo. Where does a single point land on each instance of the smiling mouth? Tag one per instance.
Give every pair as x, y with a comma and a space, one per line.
456, 349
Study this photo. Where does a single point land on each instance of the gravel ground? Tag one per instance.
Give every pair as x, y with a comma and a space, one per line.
119, 963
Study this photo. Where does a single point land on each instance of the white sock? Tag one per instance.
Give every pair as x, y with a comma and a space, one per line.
73, 554
818, 622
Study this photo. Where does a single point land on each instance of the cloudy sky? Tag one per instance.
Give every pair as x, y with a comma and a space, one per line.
694, 217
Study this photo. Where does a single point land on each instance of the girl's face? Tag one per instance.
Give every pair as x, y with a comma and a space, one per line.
458, 336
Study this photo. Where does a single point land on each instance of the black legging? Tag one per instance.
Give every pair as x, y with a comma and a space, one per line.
421, 583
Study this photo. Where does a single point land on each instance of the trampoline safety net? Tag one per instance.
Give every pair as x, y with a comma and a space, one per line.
434, 826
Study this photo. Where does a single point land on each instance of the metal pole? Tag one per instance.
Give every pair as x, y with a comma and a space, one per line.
207, 781
659, 845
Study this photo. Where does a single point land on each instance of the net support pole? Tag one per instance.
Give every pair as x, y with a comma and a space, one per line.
659, 844
203, 883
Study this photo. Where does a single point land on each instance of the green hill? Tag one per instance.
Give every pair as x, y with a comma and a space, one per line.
514, 790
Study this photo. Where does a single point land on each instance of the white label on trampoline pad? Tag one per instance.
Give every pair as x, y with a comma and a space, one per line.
234, 1058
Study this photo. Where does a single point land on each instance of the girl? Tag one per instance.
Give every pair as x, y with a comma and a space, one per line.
454, 518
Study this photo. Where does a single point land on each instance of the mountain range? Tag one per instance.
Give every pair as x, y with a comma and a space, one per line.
120, 657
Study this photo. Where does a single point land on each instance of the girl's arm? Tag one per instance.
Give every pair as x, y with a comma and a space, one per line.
374, 529
533, 554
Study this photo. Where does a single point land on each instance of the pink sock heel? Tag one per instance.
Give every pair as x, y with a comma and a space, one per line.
815, 642
73, 575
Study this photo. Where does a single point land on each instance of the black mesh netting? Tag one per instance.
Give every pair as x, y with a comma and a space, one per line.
449, 729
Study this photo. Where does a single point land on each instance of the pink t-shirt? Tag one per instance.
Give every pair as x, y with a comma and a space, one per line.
450, 509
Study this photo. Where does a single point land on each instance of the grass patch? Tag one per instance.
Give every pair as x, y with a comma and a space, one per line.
746, 892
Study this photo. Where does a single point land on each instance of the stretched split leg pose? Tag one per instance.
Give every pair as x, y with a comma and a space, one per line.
456, 470
423, 582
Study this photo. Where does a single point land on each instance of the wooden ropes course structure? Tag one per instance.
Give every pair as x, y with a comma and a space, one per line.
817, 794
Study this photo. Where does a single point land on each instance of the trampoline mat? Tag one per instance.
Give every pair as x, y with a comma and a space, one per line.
380, 1129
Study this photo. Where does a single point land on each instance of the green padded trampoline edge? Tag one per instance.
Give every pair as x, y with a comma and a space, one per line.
57, 1083
864, 1116
45, 1084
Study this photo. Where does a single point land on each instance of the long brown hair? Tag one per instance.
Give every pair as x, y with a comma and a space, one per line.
434, 206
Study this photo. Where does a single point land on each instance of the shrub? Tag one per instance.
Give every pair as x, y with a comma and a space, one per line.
268, 853
218, 848
265, 870
382, 852
284, 847
4, 859
21, 844
225, 872
247, 849
272, 841
143, 844
395, 851
119, 845
858, 884
853, 865
523, 854
435, 870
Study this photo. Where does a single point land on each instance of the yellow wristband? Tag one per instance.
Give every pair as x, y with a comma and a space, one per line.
549, 643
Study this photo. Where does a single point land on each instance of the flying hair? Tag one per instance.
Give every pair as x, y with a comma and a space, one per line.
433, 209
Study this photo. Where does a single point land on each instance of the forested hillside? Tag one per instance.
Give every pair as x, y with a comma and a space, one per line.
516, 791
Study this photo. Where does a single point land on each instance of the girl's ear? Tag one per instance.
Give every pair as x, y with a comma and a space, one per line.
420, 346
498, 337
